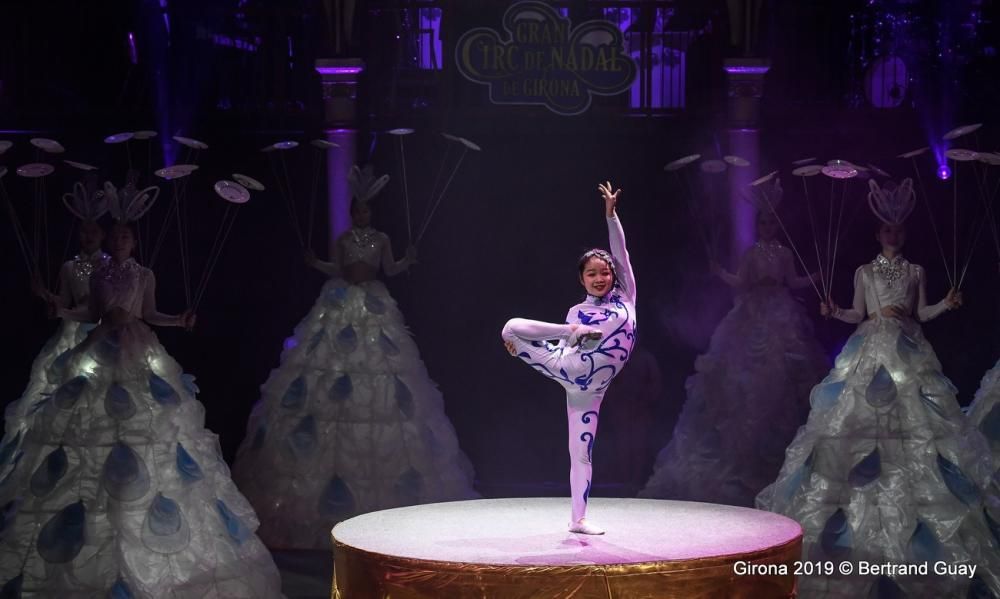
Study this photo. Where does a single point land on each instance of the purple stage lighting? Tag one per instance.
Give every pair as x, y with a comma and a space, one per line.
944, 172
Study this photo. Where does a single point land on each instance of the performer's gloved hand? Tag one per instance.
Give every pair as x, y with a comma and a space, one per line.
188, 319
893, 312
828, 309
954, 299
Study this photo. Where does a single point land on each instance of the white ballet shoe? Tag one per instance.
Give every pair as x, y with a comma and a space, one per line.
585, 528
584, 336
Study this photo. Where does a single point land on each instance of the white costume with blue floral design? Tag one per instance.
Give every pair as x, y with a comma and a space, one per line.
585, 371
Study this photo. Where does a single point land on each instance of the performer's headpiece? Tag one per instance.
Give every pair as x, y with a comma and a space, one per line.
363, 183
87, 202
130, 203
892, 203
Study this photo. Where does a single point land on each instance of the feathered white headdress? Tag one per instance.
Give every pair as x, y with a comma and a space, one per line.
364, 185
892, 203
86, 203
129, 203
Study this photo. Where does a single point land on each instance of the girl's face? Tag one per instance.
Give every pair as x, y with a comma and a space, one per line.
891, 237
597, 278
767, 226
361, 215
121, 242
91, 237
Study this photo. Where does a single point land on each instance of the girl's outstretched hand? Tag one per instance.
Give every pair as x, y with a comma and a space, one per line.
610, 199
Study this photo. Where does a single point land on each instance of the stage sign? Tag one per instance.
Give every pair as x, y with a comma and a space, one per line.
540, 58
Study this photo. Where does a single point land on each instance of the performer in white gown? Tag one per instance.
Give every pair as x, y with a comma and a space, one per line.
985, 415
88, 204
350, 422
591, 349
887, 469
749, 392
115, 488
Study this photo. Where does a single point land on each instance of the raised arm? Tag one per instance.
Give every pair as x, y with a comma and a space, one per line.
616, 240
149, 311
391, 266
857, 311
925, 312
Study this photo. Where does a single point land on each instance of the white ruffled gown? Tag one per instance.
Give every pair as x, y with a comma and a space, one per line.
748, 394
888, 469
115, 488
984, 412
350, 422
74, 289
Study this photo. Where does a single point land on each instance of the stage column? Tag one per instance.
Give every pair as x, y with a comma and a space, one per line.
339, 79
745, 78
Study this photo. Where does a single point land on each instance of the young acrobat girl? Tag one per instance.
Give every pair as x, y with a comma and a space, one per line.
593, 347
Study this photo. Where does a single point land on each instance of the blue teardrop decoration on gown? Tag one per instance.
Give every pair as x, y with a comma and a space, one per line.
404, 399
187, 467
990, 426
388, 347
118, 403
302, 441
337, 501
409, 487
336, 296
881, 391
69, 392
49, 472
347, 339
234, 526
295, 395
957, 482
162, 392
923, 545
341, 388
374, 304
120, 590
12, 588
826, 394
8, 448
907, 347
846, 356
886, 588
59, 364
61, 539
124, 476
867, 470
7, 515
836, 537
164, 530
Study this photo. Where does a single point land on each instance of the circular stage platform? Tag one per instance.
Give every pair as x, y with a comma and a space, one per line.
514, 548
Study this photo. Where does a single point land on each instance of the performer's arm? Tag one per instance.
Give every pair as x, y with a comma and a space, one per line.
391, 266
925, 312
331, 268
857, 311
149, 312
616, 240
731, 279
88, 312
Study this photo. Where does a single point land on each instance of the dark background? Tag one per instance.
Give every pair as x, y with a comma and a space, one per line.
505, 240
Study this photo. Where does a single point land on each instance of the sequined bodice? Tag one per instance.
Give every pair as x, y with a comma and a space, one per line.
115, 285
79, 270
362, 245
766, 260
891, 283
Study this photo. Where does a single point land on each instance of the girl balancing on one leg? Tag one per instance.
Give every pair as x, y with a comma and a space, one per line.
592, 348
